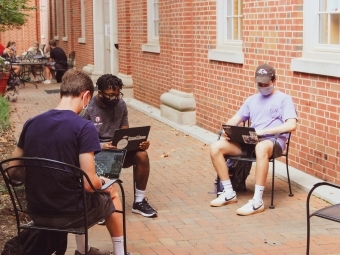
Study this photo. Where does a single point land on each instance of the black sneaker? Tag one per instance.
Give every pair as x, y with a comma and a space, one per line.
144, 208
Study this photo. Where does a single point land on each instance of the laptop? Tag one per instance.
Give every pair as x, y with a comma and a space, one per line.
109, 163
130, 138
240, 134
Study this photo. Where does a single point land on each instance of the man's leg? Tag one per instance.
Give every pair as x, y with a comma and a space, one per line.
263, 150
140, 160
217, 151
114, 224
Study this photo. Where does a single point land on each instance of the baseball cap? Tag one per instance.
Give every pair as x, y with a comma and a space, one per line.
264, 73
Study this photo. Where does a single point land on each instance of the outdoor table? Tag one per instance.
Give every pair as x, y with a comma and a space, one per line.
27, 65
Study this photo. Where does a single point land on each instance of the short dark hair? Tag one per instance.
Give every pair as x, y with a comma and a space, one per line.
74, 82
109, 81
52, 43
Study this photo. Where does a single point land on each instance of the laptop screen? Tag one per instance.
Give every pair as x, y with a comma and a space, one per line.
109, 163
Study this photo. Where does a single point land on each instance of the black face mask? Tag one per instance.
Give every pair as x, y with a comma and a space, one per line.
108, 102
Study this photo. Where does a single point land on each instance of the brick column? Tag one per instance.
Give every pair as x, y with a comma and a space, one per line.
179, 104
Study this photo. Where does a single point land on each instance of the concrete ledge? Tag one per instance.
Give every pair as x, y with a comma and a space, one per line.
298, 178
181, 118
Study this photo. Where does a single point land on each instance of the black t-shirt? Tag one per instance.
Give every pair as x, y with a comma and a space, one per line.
59, 135
59, 56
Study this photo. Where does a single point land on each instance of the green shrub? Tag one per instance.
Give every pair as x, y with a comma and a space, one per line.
4, 114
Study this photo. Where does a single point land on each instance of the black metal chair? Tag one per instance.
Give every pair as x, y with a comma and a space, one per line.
271, 159
15, 176
331, 212
70, 60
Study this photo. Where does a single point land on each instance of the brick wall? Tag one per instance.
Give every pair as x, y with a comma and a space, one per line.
272, 33
27, 34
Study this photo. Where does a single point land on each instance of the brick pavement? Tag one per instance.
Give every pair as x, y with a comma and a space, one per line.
178, 187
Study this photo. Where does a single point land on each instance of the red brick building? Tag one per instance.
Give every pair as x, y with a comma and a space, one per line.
195, 60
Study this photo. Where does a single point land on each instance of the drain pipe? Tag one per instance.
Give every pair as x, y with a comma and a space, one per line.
114, 37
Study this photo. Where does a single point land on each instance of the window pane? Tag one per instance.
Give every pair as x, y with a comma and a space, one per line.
235, 35
334, 28
156, 29
229, 8
323, 29
329, 5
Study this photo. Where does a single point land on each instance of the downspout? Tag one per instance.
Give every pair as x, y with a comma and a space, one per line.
114, 37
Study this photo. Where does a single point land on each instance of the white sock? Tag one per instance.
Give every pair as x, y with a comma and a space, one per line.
228, 188
80, 240
258, 194
139, 195
118, 245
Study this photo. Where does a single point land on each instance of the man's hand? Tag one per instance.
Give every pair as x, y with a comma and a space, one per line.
144, 145
224, 135
108, 189
260, 132
108, 146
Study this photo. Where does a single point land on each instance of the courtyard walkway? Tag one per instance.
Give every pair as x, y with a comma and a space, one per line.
181, 178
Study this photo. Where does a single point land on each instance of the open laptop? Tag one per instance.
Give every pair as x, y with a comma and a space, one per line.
241, 134
109, 163
130, 138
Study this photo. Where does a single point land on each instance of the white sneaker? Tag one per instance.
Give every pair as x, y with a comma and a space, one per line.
35, 79
223, 199
53, 81
250, 208
47, 82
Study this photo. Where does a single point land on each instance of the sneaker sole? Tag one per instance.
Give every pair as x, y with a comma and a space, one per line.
223, 203
261, 209
144, 214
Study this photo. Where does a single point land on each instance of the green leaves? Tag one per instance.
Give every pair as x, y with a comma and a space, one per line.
13, 14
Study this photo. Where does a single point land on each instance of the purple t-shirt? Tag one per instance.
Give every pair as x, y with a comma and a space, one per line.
268, 111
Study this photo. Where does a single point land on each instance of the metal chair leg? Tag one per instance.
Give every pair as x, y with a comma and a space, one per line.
272, 199
290, 187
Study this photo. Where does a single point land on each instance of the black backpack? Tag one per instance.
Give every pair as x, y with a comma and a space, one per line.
238, 173
37, 242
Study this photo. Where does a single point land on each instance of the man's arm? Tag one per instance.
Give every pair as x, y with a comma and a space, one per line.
86, 161
288, 126
17, 173
235, 120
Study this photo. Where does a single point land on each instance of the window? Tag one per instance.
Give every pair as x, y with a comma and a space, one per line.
82, 20
152, 44
55, 22
321, 39
65, 21
229, 32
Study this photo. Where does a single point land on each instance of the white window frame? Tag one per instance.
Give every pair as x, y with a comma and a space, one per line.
82, 39
152, 44
65, 37
55, 19
226, 50
316, 58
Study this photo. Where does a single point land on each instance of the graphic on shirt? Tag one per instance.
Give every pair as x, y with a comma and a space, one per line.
274, 111
97, 119
122, 143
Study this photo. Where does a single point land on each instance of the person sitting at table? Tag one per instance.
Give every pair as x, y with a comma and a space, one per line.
31, 52
10, 54
58, 61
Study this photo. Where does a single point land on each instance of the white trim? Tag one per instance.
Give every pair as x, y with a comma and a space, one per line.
65, 20
226, 50
56, 37
81, 40
226, 56
82, 20
64, 39
152, 40
316, 58
154, 48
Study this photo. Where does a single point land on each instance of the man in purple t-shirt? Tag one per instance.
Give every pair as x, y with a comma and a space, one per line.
269, 112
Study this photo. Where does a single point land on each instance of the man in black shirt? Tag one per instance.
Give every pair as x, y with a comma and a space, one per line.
58, 61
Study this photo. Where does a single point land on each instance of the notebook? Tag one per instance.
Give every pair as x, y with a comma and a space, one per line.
130, 138
241, 134
109, 163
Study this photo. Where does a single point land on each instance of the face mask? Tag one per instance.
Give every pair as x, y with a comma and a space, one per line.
109, 103
13, 47
82, 112
265, 91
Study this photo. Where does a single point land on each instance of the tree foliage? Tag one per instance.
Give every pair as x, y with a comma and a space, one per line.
13, 13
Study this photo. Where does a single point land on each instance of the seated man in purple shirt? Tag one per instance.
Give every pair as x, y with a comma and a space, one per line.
108, 112
270, 112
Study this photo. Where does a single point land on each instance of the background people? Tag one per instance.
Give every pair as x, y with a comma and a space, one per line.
57, 61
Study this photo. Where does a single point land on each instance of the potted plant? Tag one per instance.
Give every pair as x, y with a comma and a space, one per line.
4, 75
